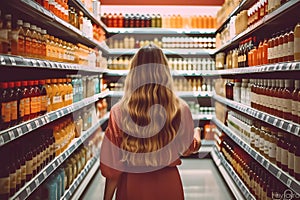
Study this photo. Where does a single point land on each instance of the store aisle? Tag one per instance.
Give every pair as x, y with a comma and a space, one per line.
200, 177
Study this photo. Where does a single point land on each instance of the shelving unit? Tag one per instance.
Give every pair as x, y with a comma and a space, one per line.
159, 31
18, 61
28, 126
281, 175
287, 8
272, 120
35, 182
239, 189
82, 180
48, 19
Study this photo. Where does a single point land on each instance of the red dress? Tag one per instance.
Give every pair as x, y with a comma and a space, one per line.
163, 183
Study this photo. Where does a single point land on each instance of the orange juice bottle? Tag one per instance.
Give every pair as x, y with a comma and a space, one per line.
205, 21
200, 21
49, 94
34, 41
62, 92
56, 96
27, 49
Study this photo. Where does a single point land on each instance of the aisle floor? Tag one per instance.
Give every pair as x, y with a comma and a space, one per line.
200, 177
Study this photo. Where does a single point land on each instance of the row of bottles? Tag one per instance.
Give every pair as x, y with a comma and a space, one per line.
188, 42
245, 18
186, 64
282, 47
25, 39
277, 97
64, 176
226, 9
260, 182
193, 84
76, 17
275, 145
156, 20
102, 107
34, 152
196, 109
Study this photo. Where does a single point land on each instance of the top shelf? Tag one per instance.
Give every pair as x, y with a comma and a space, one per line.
158, 31
53, 24
245, 4
267, 23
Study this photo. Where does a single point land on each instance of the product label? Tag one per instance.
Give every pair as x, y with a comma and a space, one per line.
27, 106
287, 103
4, 34
285, 50
297, 47
21, 108
33, 104
4, 185
266, 147
290, 160
29, 167
38, 104
23, 172
57, 99
297, 164
6, 112
18, 176
14, 110
295, 108
271, 53
44, 103
272, 150
280, 51
284, 157
291, 48
278, 154
275, 52
13, 180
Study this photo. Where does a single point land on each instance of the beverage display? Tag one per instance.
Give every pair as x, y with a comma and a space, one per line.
131, 20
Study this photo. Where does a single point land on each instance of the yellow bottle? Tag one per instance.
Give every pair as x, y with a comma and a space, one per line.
56, 96
49, 95
62, 92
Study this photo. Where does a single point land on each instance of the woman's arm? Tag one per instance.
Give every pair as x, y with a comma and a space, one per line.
110, 187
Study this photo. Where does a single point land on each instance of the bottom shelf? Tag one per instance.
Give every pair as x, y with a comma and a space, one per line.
80, 183
237, 186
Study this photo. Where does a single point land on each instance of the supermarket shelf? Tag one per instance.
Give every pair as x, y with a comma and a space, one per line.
201, 117
270, 68
264, 22
32, 185
15, 132
281, 175
272, 120
80, 183
18, 61
245, 4
159, 31
180, 94
237, 186
113, 72
169, 52
87, 13
48, 19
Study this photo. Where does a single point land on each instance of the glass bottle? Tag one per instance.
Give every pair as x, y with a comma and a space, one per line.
8, 27
297, 42
13, 104
291, 154
43, 97
291, 46
297, 160
295, 102
287, 99
34, 42
5, 106
18, 39
27, 39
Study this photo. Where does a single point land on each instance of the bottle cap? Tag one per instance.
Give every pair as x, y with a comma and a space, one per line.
18, 83
24, 83
4, 85
11, 84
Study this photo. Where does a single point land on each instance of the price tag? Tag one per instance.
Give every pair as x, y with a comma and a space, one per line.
2, 60
29, 127
288, 66
293, 66
28, 190
37, 123
297, 130
45, 174
12, 61
41, 64
255, 156
281, 124
278, 174
54, 165
33, 63
11, 135
43, 121
61, 159
289, 182
19, 131
289, 128
267, 118
267, 165
37, 182
275, 122
47, 64
1, 140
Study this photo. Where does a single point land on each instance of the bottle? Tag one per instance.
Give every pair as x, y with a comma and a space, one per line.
1, 27
297, 42
280, 47
287, 100
270, 50
104, 18
285, 50
19, 96
13, 104
38, 97
44, 44
56, 96
28, 40
39, 51
126, 21
8, 27
297, 160
18, 40
291, 154
49, 94
265, 52
34, 42
120, 20
291, 46
115, 20
43, 97
295, 102
5, 106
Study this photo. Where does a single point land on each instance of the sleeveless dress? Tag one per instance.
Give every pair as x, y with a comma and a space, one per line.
158, 184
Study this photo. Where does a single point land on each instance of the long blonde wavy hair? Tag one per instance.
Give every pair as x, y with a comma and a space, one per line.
148, 83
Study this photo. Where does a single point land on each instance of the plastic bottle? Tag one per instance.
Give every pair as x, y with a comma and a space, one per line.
18, 40
34, 42
13, 104
5, 106
43, 97
56, 95
27, 39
